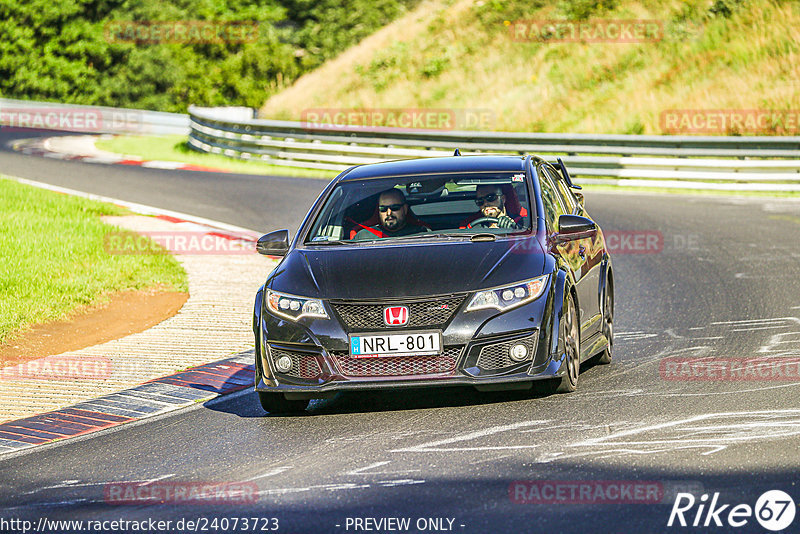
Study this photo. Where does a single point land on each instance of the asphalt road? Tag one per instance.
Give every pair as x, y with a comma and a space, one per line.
255, 202
724, 283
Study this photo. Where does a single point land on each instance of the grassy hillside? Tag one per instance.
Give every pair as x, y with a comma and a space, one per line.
714, 54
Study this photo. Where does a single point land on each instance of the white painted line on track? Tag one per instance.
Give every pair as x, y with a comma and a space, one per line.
715, 393
710, 432
328, 487
752, 328
361, 470
435, 446
165, 165
78, 484
758, 321
272, 472
770, 415
162, 477
138, 208
401, 482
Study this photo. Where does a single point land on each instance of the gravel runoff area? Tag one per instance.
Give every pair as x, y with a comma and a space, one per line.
214, 323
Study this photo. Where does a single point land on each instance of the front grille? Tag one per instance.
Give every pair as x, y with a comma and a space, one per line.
304, 365
495, 356
431, 313
399, 365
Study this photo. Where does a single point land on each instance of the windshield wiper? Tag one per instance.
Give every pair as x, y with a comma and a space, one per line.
483, 237
326, 243
431, 235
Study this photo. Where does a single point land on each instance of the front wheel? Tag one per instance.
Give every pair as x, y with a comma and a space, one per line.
569, 342
608, 322
276, 403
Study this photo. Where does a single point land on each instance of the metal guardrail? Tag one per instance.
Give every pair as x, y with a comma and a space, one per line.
717, 162
89, 119
658, 158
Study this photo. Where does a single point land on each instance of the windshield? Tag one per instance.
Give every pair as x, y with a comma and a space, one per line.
408, 207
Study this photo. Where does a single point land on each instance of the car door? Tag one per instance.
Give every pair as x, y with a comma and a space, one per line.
573, 252
590, 254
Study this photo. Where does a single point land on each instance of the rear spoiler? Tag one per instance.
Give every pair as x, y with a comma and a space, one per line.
565, 174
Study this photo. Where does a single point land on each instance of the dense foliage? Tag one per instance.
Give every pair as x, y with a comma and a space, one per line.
68, 51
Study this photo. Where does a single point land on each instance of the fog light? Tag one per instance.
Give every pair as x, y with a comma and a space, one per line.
518, 353
283, 364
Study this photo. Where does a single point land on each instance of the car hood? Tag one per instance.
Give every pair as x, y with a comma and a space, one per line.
407, 269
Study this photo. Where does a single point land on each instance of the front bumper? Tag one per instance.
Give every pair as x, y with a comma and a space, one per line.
475, 353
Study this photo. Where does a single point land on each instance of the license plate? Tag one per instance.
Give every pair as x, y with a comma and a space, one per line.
387, 345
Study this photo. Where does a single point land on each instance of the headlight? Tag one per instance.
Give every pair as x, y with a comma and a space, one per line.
505, 298
294, 308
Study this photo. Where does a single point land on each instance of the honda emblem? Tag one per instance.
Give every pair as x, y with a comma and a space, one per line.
395, 315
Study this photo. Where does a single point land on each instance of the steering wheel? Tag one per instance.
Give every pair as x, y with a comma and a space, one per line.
486, 222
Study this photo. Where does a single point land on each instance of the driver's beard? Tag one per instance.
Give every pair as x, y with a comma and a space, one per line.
392, 225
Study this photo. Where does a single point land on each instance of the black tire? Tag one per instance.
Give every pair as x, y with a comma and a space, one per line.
570, 345
276, 403
257, 363
608, 322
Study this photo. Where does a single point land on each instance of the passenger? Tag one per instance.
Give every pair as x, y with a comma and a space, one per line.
394, 217
491, 203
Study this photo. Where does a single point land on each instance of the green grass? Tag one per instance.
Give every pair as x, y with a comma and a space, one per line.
174, 148
54, 260
460, 55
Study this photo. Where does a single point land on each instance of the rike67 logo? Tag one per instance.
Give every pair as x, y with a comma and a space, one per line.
774, 510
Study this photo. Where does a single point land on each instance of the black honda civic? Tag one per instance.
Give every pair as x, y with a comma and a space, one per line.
484, 271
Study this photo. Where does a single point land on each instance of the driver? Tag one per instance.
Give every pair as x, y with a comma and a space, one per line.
491, 203
394, 220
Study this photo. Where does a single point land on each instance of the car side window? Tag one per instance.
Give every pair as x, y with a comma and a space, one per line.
566, 195
552, 204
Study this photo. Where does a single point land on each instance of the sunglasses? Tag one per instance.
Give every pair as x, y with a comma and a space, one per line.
393, 207
491, 197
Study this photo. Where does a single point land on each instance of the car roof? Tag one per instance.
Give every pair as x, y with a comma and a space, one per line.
452, 164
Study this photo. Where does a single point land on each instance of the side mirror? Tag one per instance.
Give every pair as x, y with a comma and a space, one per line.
274, 243
572, 227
